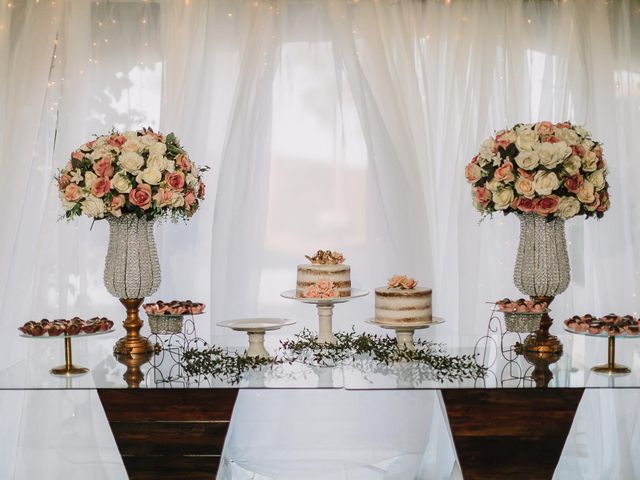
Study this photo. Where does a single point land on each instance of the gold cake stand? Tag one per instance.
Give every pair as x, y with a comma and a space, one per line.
611, 367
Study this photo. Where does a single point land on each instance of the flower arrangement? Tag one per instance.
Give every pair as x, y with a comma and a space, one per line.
137, 172
553, 170
402, 282
321, 289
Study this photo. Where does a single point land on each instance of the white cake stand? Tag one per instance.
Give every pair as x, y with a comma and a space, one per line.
404, 333
256, 328
325, 311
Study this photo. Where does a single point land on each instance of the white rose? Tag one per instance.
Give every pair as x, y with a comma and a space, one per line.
551, 154
494, 185
169, 165
191, 181
589, 162
177, 200
526, 139
527, 160
89, 179
587, 144
100, 152
568, 207
93, 206
503, 198
583, 132
130, 135
121, 183
545, 183
524, 187
152, 176
148, 140
486, 148
132, 145
572, 164
568, 135
158, 162
131, 162
66, 204
597, 178
157, 148
101, 141
586, 194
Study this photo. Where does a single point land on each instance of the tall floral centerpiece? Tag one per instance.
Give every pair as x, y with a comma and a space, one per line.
131, 179
545, 173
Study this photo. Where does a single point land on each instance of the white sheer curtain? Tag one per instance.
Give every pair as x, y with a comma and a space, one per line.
342, 125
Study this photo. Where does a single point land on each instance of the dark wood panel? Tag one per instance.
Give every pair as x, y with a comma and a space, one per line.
148, 405
175, 468
510, 433
170, 438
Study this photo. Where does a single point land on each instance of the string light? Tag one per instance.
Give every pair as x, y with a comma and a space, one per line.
529, 20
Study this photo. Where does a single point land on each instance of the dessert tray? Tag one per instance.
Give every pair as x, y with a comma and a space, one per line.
404, 332
173, 308
256, 328
46, 330
325, 311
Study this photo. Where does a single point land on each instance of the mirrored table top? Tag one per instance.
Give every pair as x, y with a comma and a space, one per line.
504, 368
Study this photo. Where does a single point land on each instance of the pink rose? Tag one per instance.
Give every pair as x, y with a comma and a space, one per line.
504, 173
182, 161
505, 138
564, 125
141, 196
174, 180
163, 197
311, 292
598, 151
103, 167
577, 150
574, 183
593, 206
544, 128
189, 198
525, 174
324, 285
100, 187
72, 193
526, 205
483, 196
472, 172
547, 204
116, 204
552, 139
77, 155
64, 181
90, 144
116, 140
201, 191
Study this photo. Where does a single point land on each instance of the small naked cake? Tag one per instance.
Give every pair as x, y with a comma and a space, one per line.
325, 266
402, 303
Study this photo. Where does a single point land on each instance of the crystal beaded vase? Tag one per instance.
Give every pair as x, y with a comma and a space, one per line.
132, 272
542, 264
132, 268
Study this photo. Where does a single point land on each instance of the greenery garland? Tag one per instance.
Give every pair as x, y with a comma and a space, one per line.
366, 351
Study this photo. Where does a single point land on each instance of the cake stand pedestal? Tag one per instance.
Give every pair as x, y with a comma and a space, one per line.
325, 311
611, 367
404, 333
256, 329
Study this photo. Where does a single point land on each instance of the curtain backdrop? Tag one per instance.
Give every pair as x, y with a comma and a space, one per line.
342, 125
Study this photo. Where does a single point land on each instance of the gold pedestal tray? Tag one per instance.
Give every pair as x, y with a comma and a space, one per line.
611, 367
133, 343
68, 369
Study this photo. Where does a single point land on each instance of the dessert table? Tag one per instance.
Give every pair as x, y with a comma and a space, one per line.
512, 422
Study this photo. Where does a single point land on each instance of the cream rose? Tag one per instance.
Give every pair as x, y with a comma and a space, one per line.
191, 181
589, 162
157, 148
587, 144
551, 154
587, 193
89, 179
130, 135
572, 165
132, 145
487, 148
524, 187
494, 185
580, 130
526, 139
131, 162
121, 183
568, 207
152, 176
503, 198
66, 204
597, 178
568, 135
178, 200
170, 165
157, 161
148, 140
545, 183
100, 152
528, 160
93, 207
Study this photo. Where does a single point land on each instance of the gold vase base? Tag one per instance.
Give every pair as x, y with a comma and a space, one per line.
614, 369
542, 344
68, 370
135, 346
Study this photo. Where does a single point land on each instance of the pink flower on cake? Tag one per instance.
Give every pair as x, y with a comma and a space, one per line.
141, 196
321, 289
175, 180
103, 167
401, 281
100, 187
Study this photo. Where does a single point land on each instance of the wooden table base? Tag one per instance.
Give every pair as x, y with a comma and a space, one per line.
510, 433
169, 433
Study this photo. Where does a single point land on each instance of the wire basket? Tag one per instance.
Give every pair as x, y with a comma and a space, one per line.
523, 322
165, 324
